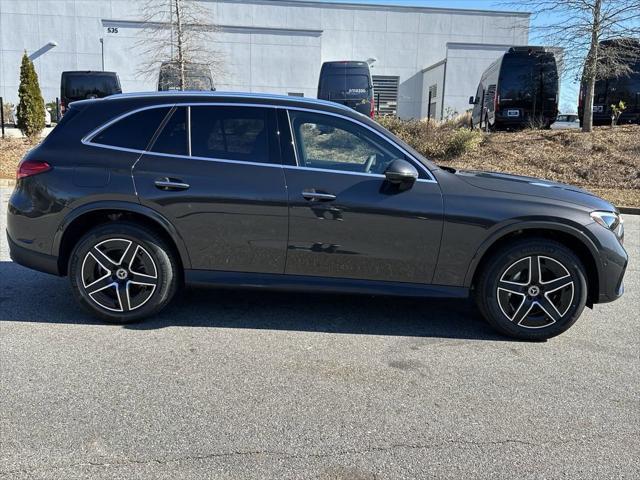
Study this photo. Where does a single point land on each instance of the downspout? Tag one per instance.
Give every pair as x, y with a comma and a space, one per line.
444, 83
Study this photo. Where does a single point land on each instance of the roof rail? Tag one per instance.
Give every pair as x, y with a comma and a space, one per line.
222, 94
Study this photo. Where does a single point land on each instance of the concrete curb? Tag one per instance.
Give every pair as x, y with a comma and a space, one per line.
630, 210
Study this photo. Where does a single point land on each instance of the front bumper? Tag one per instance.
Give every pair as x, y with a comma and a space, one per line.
613, 261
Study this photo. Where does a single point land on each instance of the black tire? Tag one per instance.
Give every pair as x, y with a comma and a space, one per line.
139, 294
503, 307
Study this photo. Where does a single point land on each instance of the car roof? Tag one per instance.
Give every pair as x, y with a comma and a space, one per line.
245, 97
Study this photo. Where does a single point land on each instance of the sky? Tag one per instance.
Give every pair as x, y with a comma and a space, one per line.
569, 87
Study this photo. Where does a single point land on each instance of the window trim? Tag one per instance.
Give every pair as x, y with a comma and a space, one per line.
416, 163
87, 139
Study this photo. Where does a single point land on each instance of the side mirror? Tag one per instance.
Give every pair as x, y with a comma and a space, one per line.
472, 100
401, 173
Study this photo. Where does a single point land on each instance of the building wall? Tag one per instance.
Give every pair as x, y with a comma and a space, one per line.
434, 75
268, 46
465, 65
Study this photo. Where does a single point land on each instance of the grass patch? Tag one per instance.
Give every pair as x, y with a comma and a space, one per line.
436, 140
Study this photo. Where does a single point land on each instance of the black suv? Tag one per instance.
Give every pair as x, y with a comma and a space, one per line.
80, 85
134, 195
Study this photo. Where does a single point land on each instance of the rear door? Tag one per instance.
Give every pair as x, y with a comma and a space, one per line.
214, 171
358, 90
348, 85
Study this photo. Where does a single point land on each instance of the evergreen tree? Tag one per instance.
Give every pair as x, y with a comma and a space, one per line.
31, 104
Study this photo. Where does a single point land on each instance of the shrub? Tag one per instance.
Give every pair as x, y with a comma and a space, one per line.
433, 139
461, 141
31, 105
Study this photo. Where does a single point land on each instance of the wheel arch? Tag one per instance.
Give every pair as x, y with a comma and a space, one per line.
83, 218
569, 236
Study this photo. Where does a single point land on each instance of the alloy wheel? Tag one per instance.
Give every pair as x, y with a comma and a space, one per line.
119, 275
535, 291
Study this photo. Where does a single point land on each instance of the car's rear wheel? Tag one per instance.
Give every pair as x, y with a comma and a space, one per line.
123, 272
533, 290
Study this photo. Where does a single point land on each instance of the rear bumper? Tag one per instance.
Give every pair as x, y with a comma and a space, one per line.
32, 259
506, 122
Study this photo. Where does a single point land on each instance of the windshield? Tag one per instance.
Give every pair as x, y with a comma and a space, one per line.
199, 83
197, 77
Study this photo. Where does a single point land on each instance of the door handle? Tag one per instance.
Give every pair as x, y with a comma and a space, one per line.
314, 196
170, 184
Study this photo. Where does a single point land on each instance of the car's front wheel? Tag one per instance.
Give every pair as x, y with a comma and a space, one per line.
533, 290
123, 272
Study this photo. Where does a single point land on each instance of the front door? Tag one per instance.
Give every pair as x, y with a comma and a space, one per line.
345, 220
215, 173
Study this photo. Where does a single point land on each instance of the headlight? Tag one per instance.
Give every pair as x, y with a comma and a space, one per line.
611, 221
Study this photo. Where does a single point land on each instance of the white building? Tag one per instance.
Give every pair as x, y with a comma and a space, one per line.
273, 46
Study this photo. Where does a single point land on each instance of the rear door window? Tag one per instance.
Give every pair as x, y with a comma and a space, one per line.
523, 78
233, 133
337, 86
134, 131
173, 138
516, 78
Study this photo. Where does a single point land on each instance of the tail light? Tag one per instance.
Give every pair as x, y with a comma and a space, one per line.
372, 112
27, 168
63, 106
496, 102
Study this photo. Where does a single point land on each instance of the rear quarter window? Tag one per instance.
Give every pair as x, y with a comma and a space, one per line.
134, 131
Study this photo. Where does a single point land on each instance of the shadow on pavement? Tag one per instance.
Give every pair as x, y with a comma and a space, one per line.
29, 296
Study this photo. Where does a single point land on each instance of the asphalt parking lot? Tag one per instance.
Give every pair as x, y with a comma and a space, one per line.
237, 384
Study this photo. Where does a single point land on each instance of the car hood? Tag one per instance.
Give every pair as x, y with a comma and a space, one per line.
517, 184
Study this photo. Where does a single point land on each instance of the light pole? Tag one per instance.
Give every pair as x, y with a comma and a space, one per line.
102, 51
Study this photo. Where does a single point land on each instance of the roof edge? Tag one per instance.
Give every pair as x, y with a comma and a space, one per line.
380, 6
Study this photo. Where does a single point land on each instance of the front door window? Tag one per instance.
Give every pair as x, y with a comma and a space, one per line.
327, 142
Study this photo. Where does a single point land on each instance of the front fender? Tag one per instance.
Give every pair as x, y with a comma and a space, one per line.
575, 230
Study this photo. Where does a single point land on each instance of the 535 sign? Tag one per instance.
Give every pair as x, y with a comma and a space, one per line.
112, 29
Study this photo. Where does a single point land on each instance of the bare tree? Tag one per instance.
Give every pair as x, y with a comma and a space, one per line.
177, 35
596, 37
